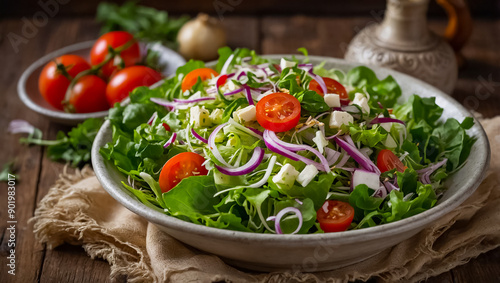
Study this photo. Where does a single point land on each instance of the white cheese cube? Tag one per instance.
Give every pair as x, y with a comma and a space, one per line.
199, 117
306, 176
389, 141
286, 64
286, 176
339, 118
370, 179
246, 114
362, 102
216, 116
320, 141
332, 99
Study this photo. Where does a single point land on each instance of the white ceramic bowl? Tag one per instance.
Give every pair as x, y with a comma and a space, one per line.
314, 252
27, 86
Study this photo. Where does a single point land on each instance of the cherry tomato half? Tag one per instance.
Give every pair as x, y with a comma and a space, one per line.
181, 166
336, 216
386, 160
52, 84
114, 39
332, 86
89, 95
126, 80
192, 77
278, 112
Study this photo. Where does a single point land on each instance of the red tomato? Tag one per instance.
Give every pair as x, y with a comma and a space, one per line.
386, 160
337, 217
181, 166
52, 84
332, 86
89, 95
114, 39
192, 77
126, 80
278, 112
166, 126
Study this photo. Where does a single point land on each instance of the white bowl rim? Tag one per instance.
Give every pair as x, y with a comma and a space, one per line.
308, 240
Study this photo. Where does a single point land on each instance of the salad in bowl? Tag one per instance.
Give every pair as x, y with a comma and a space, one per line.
284, 146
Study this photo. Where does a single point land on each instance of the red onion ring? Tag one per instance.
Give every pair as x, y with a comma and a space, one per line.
254, 162
171, 140
196, 135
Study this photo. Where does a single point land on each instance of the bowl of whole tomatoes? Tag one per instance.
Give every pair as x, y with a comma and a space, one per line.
84, 80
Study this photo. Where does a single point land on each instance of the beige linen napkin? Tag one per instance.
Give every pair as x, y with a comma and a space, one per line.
78, 211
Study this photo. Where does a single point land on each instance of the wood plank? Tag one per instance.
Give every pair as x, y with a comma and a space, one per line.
485, 268
27, 159
69, 263
242, 32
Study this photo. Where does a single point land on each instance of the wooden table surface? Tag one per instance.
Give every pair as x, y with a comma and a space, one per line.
478, 88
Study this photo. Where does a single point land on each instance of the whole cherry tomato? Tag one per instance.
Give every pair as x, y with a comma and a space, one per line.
88, 95
115, 39
192, 77
53, 81
126, 80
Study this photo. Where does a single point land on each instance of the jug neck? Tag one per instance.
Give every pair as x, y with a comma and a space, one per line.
405, 26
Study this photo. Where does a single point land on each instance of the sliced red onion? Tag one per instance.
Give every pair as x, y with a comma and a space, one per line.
332, 156
380, 105
171, 140
347, 108
273, 146
381, 192
241, 75
425, 174
390, 187
249, 95
380, 120
331, 137
343, 161
309, 65
163, 102
271, 218
319, 80
321, 115
211, 90
325, 207
153, 117
20, 127
296, 147
193, 100
213, 146
226, 64
282, 213
365, 162
254, 162
196, 135
234, 91
298, 201
256, 131
349, 140
245, 129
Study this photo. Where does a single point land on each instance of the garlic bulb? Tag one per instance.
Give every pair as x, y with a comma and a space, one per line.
201, 37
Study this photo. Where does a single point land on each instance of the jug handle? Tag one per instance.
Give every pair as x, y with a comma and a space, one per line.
459, 26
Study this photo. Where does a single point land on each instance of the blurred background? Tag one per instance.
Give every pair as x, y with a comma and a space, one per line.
71, 8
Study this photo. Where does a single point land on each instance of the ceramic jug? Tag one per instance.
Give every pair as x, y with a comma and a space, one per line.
402, 41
